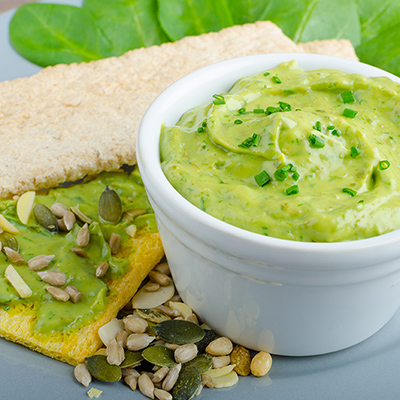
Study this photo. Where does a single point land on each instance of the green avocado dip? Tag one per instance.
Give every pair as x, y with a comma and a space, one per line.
299, 155
33, 240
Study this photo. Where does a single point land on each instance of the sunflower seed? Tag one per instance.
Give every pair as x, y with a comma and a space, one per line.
78, 213
75, 295
171, 346
14, 256
110, 207
83, 237
57, 293
100, 369
220, 347
61, 225
160, 278
152, 287
82, 375
160, 374
152, 315
168, 311
55, 278
207, 381
184, 309
130, 371
171, 378
162, 394
138, 341
108, 331
115, 353
185, 353
69, 220
45, 217
79, 252
114, 242
146, 386
135, 324
192, 318
131, 381
8, 240
163, 268
59, 209
221, 361
102, 269
122, 337
39, 262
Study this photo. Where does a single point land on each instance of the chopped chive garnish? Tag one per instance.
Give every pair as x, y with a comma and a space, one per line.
317, 126
292, 190
330, 127
336, 132
287, 167
285, 106
349, 191
238, 121
316, 141
280, 174
347, 112
354, 152
276, 79
296, 176
348, 97
219, 99
250, 141
262, 178
241, 110
384, 164
258, 111
271, 110
266, 74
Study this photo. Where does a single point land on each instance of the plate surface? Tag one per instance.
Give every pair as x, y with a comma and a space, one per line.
369, 370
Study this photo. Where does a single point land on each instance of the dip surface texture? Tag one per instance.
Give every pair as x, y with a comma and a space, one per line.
293, 154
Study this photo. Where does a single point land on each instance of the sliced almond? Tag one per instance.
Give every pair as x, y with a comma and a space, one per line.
17, 282
108, 331
25, 205
225, 381
146, 299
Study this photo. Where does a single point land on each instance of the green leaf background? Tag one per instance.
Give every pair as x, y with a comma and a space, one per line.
48, 34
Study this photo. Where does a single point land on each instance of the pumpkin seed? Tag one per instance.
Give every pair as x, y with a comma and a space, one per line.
45, 217
100, 369
110, 206
187, 384
208, 338
179, 331
81, 215
132, 358
152, 315
203, 362
8, 240
145, 299
159, 355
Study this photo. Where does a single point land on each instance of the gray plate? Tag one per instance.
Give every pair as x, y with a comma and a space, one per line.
370, 370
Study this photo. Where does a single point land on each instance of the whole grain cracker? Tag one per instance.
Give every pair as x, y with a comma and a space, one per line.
69, 121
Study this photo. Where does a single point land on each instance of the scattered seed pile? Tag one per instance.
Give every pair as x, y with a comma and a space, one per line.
159, 347
69, 121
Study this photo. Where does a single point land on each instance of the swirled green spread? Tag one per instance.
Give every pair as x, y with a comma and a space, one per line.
299, 155
33, 240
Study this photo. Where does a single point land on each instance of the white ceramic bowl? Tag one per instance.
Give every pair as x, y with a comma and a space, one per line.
285, 297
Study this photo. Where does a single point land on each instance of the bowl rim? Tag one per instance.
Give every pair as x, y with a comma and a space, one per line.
148, 153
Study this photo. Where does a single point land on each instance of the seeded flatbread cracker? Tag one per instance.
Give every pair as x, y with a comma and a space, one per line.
341, 48
69, 121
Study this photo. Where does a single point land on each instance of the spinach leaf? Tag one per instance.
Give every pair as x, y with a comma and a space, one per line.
308, 20
126, 24
49, 34
248, 11
181, 18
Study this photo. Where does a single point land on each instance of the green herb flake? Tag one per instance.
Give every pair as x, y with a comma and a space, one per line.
238, 121
267, 73
296, 176
276, 80
349, 113
316, 141
280, 174
219, 99
241, 110
262, 178
253, 140
272, 110
349, 191
384, 164
336, 132
348, 97
258, 111
285, 106
292, 190
354, 152
200, 129
330, 127
318, 126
